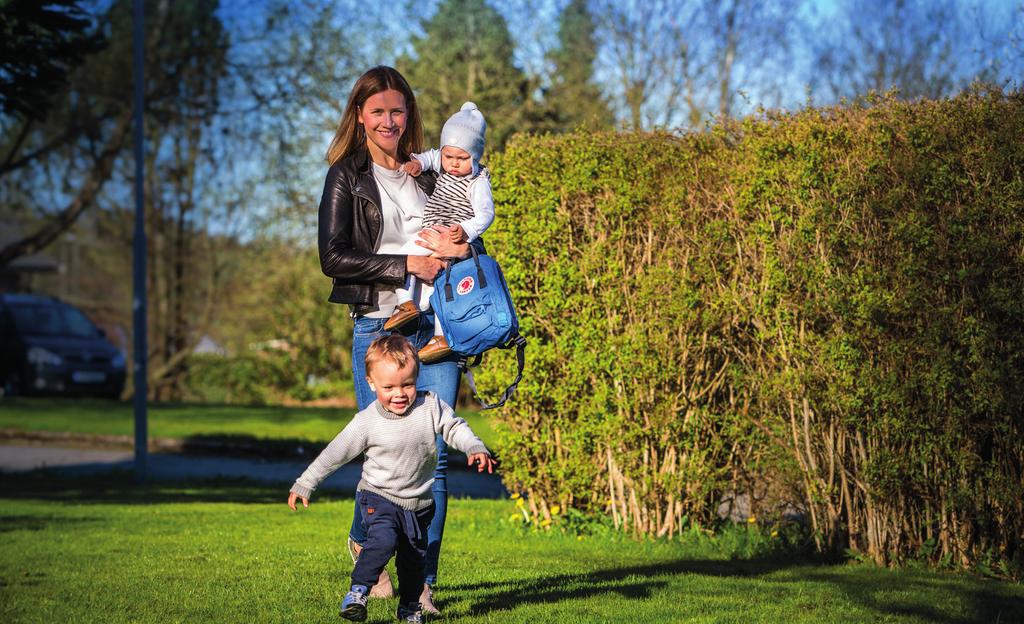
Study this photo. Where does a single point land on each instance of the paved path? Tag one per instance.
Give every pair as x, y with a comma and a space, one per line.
174, 467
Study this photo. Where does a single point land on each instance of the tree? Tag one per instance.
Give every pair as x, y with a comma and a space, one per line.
574, 97
922, 48
293, 71
253, 168
40, 44
647, 58
74, 160
81, 138
235, 137
672, 62
747, 45
318, 333
182, 164
465, 54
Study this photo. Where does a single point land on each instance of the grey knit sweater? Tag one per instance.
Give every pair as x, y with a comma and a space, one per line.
401, 450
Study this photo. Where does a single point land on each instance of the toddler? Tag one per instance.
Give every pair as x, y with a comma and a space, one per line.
397, 432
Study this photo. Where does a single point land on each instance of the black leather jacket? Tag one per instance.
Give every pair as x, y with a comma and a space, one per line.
349, 232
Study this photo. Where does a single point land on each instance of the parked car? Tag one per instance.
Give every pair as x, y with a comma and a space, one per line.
48, 346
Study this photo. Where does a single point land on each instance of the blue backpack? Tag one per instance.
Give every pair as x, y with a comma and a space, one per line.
474, 305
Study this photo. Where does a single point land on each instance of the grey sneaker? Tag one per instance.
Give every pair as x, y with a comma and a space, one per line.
353, 607
410, 613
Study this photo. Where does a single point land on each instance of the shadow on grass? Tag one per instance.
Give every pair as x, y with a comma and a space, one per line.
983, 600
17, 522
121, 488
270, 449
238, 445
635, 582
51, 404
873, 589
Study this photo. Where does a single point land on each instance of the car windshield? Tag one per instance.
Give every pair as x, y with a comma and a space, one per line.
49, 319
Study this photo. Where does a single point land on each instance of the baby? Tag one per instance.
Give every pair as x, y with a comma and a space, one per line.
461, 200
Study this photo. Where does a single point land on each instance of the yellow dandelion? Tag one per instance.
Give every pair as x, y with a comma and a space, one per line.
555, 509
775, 533
751, 519
514, 518
545, 523
515, 495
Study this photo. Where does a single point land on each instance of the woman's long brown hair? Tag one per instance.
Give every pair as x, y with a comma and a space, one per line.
351, 136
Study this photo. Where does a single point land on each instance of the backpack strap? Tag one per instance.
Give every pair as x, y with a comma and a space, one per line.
519, 342
480, 277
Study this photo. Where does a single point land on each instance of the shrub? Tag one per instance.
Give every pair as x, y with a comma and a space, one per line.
252, 378
288, 343
829, 297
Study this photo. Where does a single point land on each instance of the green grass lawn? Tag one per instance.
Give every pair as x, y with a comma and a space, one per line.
313, 424
111, 551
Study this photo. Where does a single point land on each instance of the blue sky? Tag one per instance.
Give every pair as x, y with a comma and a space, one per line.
533, 25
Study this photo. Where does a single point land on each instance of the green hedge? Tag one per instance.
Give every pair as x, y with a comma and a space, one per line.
828, 303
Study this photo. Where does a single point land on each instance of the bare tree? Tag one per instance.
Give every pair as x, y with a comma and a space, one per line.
922, 48
78, 141
645, 59
228, 171
293, 69
748, 44
673, 62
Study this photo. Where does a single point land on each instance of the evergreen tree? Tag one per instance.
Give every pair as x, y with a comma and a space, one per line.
466, 54
40, 44
574, 97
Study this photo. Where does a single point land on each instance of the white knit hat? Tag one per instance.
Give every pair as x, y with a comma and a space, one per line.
465, 130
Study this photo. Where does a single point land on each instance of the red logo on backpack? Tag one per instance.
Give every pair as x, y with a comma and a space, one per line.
465, 285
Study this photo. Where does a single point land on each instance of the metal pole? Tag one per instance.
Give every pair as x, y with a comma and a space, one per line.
139, 257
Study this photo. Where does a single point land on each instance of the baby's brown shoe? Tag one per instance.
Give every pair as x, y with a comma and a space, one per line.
405, 312
434, 350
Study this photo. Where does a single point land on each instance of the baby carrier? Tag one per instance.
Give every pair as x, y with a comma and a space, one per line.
474, 305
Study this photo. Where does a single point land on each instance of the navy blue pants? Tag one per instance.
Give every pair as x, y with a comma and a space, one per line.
391, 530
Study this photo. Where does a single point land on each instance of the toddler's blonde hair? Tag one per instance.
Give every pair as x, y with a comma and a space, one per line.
394, 347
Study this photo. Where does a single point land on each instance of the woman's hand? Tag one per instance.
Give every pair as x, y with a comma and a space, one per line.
437, 238
423, 267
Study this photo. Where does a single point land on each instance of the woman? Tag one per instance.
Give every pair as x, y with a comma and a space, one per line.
368, 210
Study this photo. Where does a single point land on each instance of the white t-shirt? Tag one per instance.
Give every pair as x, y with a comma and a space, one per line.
401, 202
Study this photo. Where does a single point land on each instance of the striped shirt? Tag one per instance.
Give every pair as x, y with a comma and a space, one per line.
451, 202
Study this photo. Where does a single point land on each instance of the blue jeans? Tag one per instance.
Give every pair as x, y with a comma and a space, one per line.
442, 378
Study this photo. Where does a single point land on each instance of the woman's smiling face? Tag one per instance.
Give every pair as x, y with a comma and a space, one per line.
384, 116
